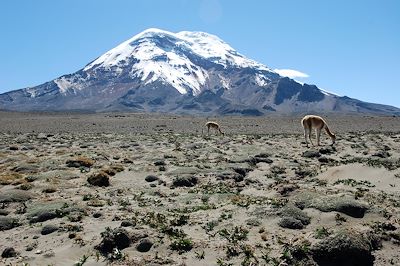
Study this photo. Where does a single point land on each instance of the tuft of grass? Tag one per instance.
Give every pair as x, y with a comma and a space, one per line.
182, 244
322, 232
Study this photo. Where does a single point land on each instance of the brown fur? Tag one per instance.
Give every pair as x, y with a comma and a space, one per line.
313, 121
214, 125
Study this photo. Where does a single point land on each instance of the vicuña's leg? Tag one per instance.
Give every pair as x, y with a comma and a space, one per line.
318, 135
208, 130
309, 136
305, 136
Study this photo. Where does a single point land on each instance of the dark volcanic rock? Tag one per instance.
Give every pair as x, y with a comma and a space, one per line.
48, 229
7, 223
230, 175
9, 253
80, 161
185, 181
159, 163
100, 179
151, 178
382, 154
291, 223
144, 245
116, 238
345, 248
311, 154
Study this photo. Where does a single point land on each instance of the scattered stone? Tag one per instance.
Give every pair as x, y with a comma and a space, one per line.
43, 212
296, 213
48, 229
97, 214
241, 170
116, 238
144, 245
138, 234
26, 168
7, 223
100, 179
327, 150
230, 175
290, 222
342, 204
3, 212
346, 247
151, 178
80, 161
15, 195
311, 154
127, 223
185, 181
9, 253
159, 162
126, 160
382, 154
323, 159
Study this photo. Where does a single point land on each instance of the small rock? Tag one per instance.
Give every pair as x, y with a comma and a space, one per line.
116, 238
311, 154
323, 159
48, 229
382, 154
8, 253
14, 195
188, 181
241, 171
80, 161
7, 223
153, 185
159, 162
100, 179
291, 223
327, 150
126, 223
3, 212
144, 245
151, 178
97, 214
345, 248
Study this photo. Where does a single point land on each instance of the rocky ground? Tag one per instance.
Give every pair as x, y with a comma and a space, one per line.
125, 189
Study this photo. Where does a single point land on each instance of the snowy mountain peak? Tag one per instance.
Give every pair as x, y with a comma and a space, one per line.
156, 54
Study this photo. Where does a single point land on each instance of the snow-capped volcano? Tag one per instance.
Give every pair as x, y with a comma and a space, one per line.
184, 72
160, 55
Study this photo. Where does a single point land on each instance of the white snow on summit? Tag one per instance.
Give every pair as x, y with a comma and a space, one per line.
156, 62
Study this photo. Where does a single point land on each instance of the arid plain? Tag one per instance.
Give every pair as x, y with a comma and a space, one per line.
139, 189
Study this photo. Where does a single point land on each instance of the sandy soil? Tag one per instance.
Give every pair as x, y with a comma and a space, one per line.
256, 196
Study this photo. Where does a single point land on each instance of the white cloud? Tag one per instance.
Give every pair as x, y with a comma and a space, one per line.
291, 73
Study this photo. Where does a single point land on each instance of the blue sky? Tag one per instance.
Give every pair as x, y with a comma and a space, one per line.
351, 48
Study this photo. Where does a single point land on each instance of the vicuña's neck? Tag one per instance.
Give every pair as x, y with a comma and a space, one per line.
329, 132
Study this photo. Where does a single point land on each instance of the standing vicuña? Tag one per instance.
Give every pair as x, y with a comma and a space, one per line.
313, 121
215, 126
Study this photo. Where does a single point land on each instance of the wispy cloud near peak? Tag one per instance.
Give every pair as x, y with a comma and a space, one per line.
291, 73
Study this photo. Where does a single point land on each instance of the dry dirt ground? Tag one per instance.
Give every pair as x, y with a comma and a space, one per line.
135, 189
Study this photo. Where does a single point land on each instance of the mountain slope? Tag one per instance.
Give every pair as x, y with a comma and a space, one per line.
185, 72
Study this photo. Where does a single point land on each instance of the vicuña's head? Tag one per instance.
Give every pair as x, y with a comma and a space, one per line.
333, 137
